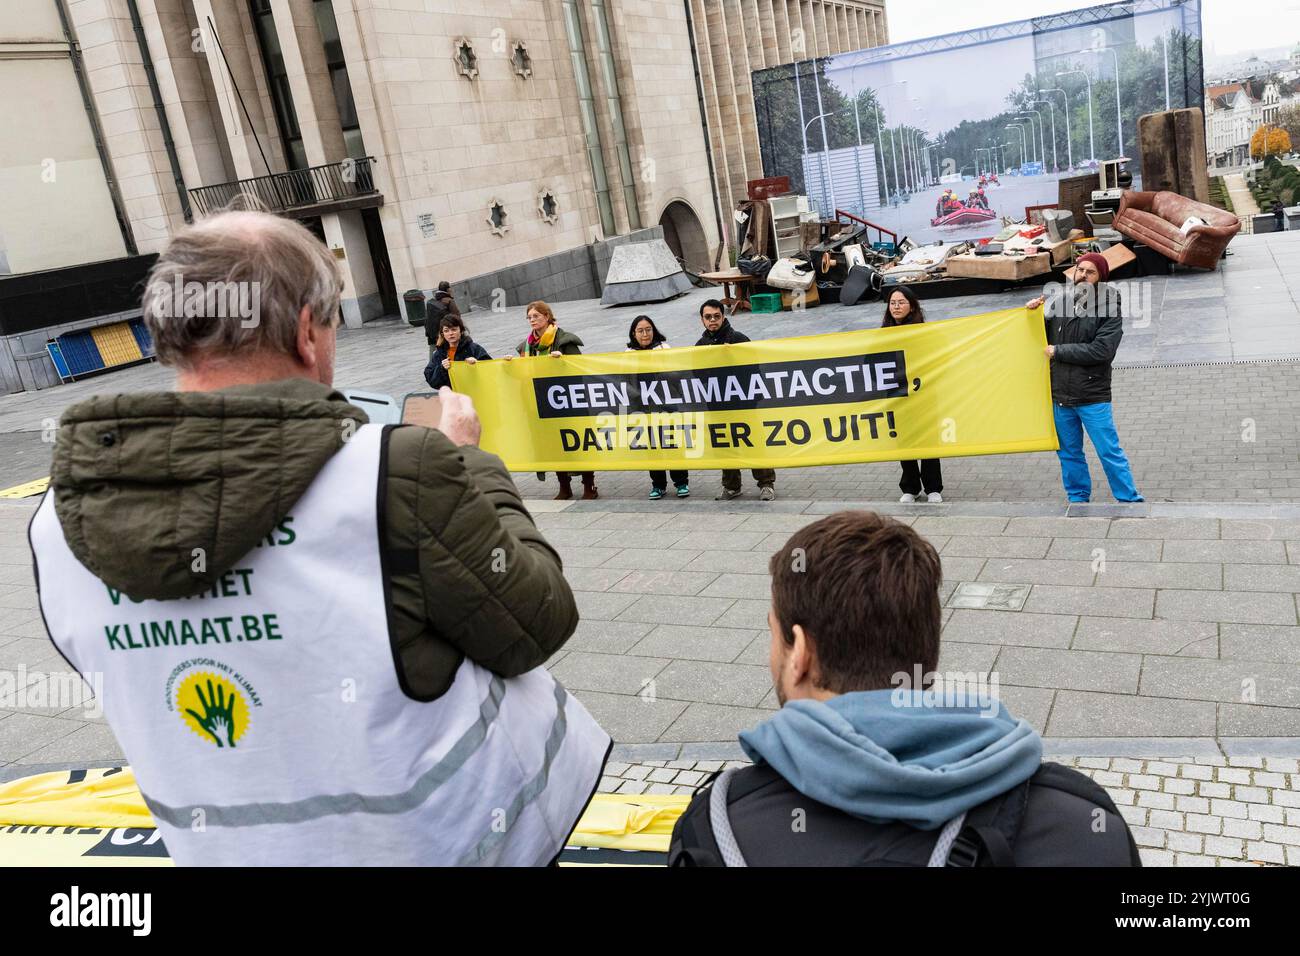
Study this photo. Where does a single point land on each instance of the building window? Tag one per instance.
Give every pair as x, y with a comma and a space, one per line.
466, 58
277, 78
522, 62
496, 218
338, 67
548, 206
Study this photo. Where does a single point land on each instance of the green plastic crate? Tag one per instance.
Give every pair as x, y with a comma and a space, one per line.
765, 303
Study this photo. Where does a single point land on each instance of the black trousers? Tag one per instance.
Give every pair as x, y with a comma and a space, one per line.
566, 478
659, 480
921, 473
763, 477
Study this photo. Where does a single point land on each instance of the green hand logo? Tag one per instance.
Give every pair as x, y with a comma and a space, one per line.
218, 714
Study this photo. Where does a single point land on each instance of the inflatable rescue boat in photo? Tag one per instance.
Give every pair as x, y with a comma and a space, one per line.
964, 215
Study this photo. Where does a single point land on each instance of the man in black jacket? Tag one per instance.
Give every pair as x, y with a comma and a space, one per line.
718, 331
1084, 325
851, 772
442, 304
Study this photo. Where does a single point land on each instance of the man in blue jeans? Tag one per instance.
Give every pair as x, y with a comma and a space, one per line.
1084, 325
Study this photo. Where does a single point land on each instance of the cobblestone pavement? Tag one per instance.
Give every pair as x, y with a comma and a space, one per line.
1164, 633
1205, 811
1111, 627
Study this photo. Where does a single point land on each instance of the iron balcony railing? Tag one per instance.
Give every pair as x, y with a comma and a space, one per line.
296, 190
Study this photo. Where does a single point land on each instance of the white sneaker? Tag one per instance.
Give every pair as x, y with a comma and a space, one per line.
907, 499
934, 498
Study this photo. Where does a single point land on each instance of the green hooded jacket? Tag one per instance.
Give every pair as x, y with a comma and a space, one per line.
141, 481
566, 343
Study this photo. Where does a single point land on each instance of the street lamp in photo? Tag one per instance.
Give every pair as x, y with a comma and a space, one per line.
892, 134
1069, 150
918, 143
826, 183
1033, 143
1052, 108
1042, 145
1021, 129
1119, 120
1092, 146
880, 145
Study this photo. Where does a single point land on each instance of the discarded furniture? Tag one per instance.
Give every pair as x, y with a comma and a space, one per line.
735, 288
1161, 220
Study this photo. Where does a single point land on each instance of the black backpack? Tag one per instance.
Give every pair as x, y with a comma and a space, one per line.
986, 835
434, 310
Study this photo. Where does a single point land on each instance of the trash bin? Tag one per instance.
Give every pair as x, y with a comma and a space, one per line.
414, 300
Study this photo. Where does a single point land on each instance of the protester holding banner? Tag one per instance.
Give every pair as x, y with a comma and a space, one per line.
904, 308
547, 338
718, 331
453, 345
644, 336
1084, 326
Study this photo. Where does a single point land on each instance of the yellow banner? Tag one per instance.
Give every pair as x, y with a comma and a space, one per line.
973, 386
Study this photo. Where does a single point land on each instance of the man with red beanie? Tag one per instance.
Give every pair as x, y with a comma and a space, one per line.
1084, 326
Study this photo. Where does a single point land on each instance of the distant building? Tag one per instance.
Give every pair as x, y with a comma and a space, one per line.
420, 140
1235, 110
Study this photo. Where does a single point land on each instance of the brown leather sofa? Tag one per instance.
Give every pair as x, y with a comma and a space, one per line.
1155, 219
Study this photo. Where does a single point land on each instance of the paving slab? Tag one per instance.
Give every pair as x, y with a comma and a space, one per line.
1085, 714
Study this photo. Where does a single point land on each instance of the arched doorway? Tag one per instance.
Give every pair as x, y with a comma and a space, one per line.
685, 236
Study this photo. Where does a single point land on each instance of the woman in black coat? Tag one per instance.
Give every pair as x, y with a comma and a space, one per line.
904, 308
644, 336
453, 345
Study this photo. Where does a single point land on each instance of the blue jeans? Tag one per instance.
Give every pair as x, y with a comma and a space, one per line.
1071, 420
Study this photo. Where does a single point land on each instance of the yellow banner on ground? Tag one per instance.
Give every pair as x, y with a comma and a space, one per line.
99, 818
972, 386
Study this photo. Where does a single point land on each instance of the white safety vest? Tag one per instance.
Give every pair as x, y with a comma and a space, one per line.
265, 722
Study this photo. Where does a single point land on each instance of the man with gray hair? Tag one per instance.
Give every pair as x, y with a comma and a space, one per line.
369, 607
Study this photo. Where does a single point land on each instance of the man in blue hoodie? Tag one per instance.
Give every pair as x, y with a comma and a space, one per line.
870, 761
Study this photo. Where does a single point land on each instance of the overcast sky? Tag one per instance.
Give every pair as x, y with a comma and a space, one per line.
1227, 26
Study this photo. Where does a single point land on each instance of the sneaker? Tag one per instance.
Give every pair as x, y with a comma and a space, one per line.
564, 495
767, 493
727, 494
683, 491
656, 494
907, 499
590, 494
934, 498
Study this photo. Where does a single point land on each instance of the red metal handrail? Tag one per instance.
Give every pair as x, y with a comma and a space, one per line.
841, 214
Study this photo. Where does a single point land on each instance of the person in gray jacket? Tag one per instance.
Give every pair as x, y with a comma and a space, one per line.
1084, 319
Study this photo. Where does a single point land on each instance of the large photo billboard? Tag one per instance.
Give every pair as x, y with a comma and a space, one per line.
944, 138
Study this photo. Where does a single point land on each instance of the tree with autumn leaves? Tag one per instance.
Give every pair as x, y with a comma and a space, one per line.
1269, 141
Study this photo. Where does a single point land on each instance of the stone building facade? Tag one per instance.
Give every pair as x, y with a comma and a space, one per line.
421, 139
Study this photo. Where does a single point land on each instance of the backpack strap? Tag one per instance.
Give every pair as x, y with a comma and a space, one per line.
721, 823
946, 836
990, 831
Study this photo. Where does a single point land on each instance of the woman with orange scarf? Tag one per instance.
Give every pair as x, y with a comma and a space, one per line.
547, 338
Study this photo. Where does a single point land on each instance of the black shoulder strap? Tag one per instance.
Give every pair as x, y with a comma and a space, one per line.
991, 829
